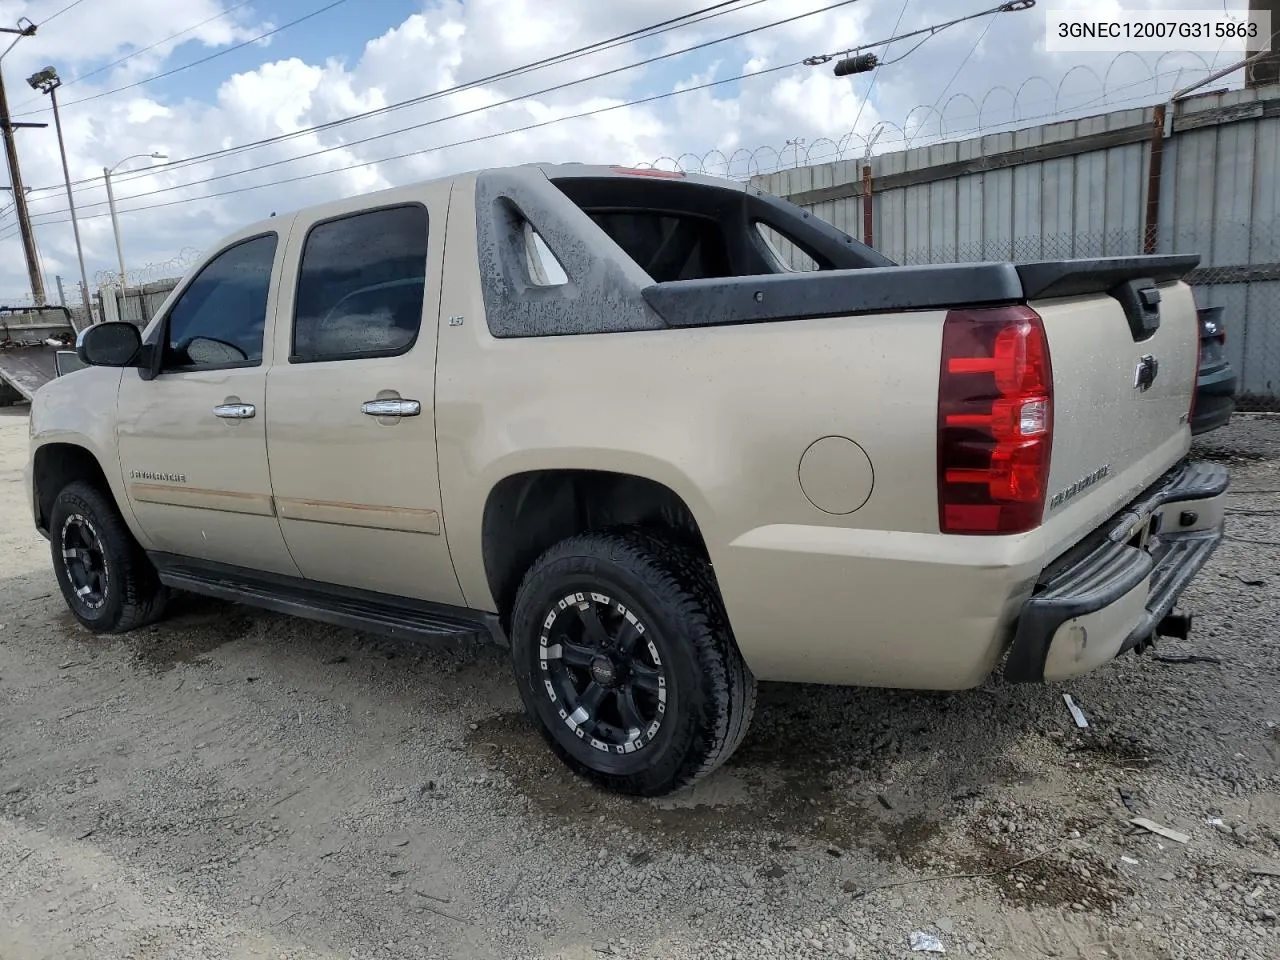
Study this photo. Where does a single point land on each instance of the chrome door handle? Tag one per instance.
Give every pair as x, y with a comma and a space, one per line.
234, 411
391, 408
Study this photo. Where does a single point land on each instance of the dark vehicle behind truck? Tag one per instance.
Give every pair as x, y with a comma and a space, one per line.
1216, 381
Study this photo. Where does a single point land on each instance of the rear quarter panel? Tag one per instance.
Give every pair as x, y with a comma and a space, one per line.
721, 415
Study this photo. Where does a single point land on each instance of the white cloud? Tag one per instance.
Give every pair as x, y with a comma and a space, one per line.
449, 42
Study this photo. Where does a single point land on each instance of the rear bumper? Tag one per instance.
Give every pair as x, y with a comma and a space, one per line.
1111, 594
1215, 399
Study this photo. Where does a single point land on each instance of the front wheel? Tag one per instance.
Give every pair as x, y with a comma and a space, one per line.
106, 579
624, 658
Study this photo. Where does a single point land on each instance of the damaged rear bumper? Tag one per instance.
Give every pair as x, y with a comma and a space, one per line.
1118, 589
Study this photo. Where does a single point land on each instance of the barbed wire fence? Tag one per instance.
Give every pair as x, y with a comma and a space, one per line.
170, 269
926, 125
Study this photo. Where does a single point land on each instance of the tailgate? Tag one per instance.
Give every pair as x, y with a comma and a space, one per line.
1124, 357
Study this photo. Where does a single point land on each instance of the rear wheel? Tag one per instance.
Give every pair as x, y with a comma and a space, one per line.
106, 579
625, 660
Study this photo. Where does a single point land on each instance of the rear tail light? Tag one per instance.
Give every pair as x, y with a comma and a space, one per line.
1195, 380
995, 421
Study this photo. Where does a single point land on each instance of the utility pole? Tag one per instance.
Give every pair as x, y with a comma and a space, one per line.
25, 28
1266, 69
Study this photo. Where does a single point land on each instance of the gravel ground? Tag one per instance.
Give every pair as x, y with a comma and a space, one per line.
235, 784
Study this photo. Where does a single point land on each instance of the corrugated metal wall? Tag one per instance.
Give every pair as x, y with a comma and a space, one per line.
136, 305
1079, 189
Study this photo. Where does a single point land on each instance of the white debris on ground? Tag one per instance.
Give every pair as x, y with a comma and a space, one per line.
235, 784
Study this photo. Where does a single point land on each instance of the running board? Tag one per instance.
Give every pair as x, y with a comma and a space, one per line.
328, 603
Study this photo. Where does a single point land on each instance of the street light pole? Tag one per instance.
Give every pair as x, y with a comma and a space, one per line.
111, 203
48, 81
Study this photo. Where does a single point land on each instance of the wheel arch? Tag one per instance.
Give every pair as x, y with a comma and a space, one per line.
56, 464
526, 513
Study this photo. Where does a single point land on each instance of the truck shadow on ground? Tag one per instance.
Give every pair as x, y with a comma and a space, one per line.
835, 766
832, 766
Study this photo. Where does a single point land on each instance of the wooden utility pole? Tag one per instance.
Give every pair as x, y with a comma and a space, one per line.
1266, 69
25, 28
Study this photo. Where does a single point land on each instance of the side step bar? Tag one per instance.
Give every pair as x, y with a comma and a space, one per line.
328, 603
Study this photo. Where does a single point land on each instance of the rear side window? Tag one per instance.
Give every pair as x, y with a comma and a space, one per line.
361, 286
543, 267
668, 246
789, 256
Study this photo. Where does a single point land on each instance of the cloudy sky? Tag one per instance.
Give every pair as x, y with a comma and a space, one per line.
205, 81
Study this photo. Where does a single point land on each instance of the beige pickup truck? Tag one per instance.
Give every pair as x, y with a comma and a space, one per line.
592, 413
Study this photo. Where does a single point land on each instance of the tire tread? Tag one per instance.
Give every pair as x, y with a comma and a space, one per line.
144, 596
685, 584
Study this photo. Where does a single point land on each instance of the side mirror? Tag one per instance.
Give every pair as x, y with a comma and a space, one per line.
65, 361
114, 344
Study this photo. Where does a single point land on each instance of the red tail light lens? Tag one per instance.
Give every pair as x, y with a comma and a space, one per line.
995, 421
1195, 380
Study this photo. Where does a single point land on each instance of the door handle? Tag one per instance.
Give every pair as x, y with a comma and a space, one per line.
234, 411
391, 408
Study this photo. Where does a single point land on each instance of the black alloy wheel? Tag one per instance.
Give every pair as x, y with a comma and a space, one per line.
605, 675
84, 562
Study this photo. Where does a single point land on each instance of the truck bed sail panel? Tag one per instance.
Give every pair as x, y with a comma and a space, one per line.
828, 293
1077, 278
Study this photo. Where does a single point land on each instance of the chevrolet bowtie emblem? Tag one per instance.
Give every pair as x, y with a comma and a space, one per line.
1144, 375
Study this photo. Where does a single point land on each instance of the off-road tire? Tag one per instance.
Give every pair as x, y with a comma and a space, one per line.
670, 588
133, 595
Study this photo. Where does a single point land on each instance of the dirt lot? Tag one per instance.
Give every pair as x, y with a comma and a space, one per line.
235, 784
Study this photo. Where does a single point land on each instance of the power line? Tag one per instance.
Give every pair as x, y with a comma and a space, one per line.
485, 137
1009, 6
977, 43
194, 63
412, 153
54, 16
9, 233
137, 53
872, 85
665, 26
467, 141
484, 107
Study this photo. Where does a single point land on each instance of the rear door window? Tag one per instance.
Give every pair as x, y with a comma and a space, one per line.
361, 285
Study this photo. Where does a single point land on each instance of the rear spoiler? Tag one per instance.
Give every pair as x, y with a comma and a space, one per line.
1077, 278
835, 293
